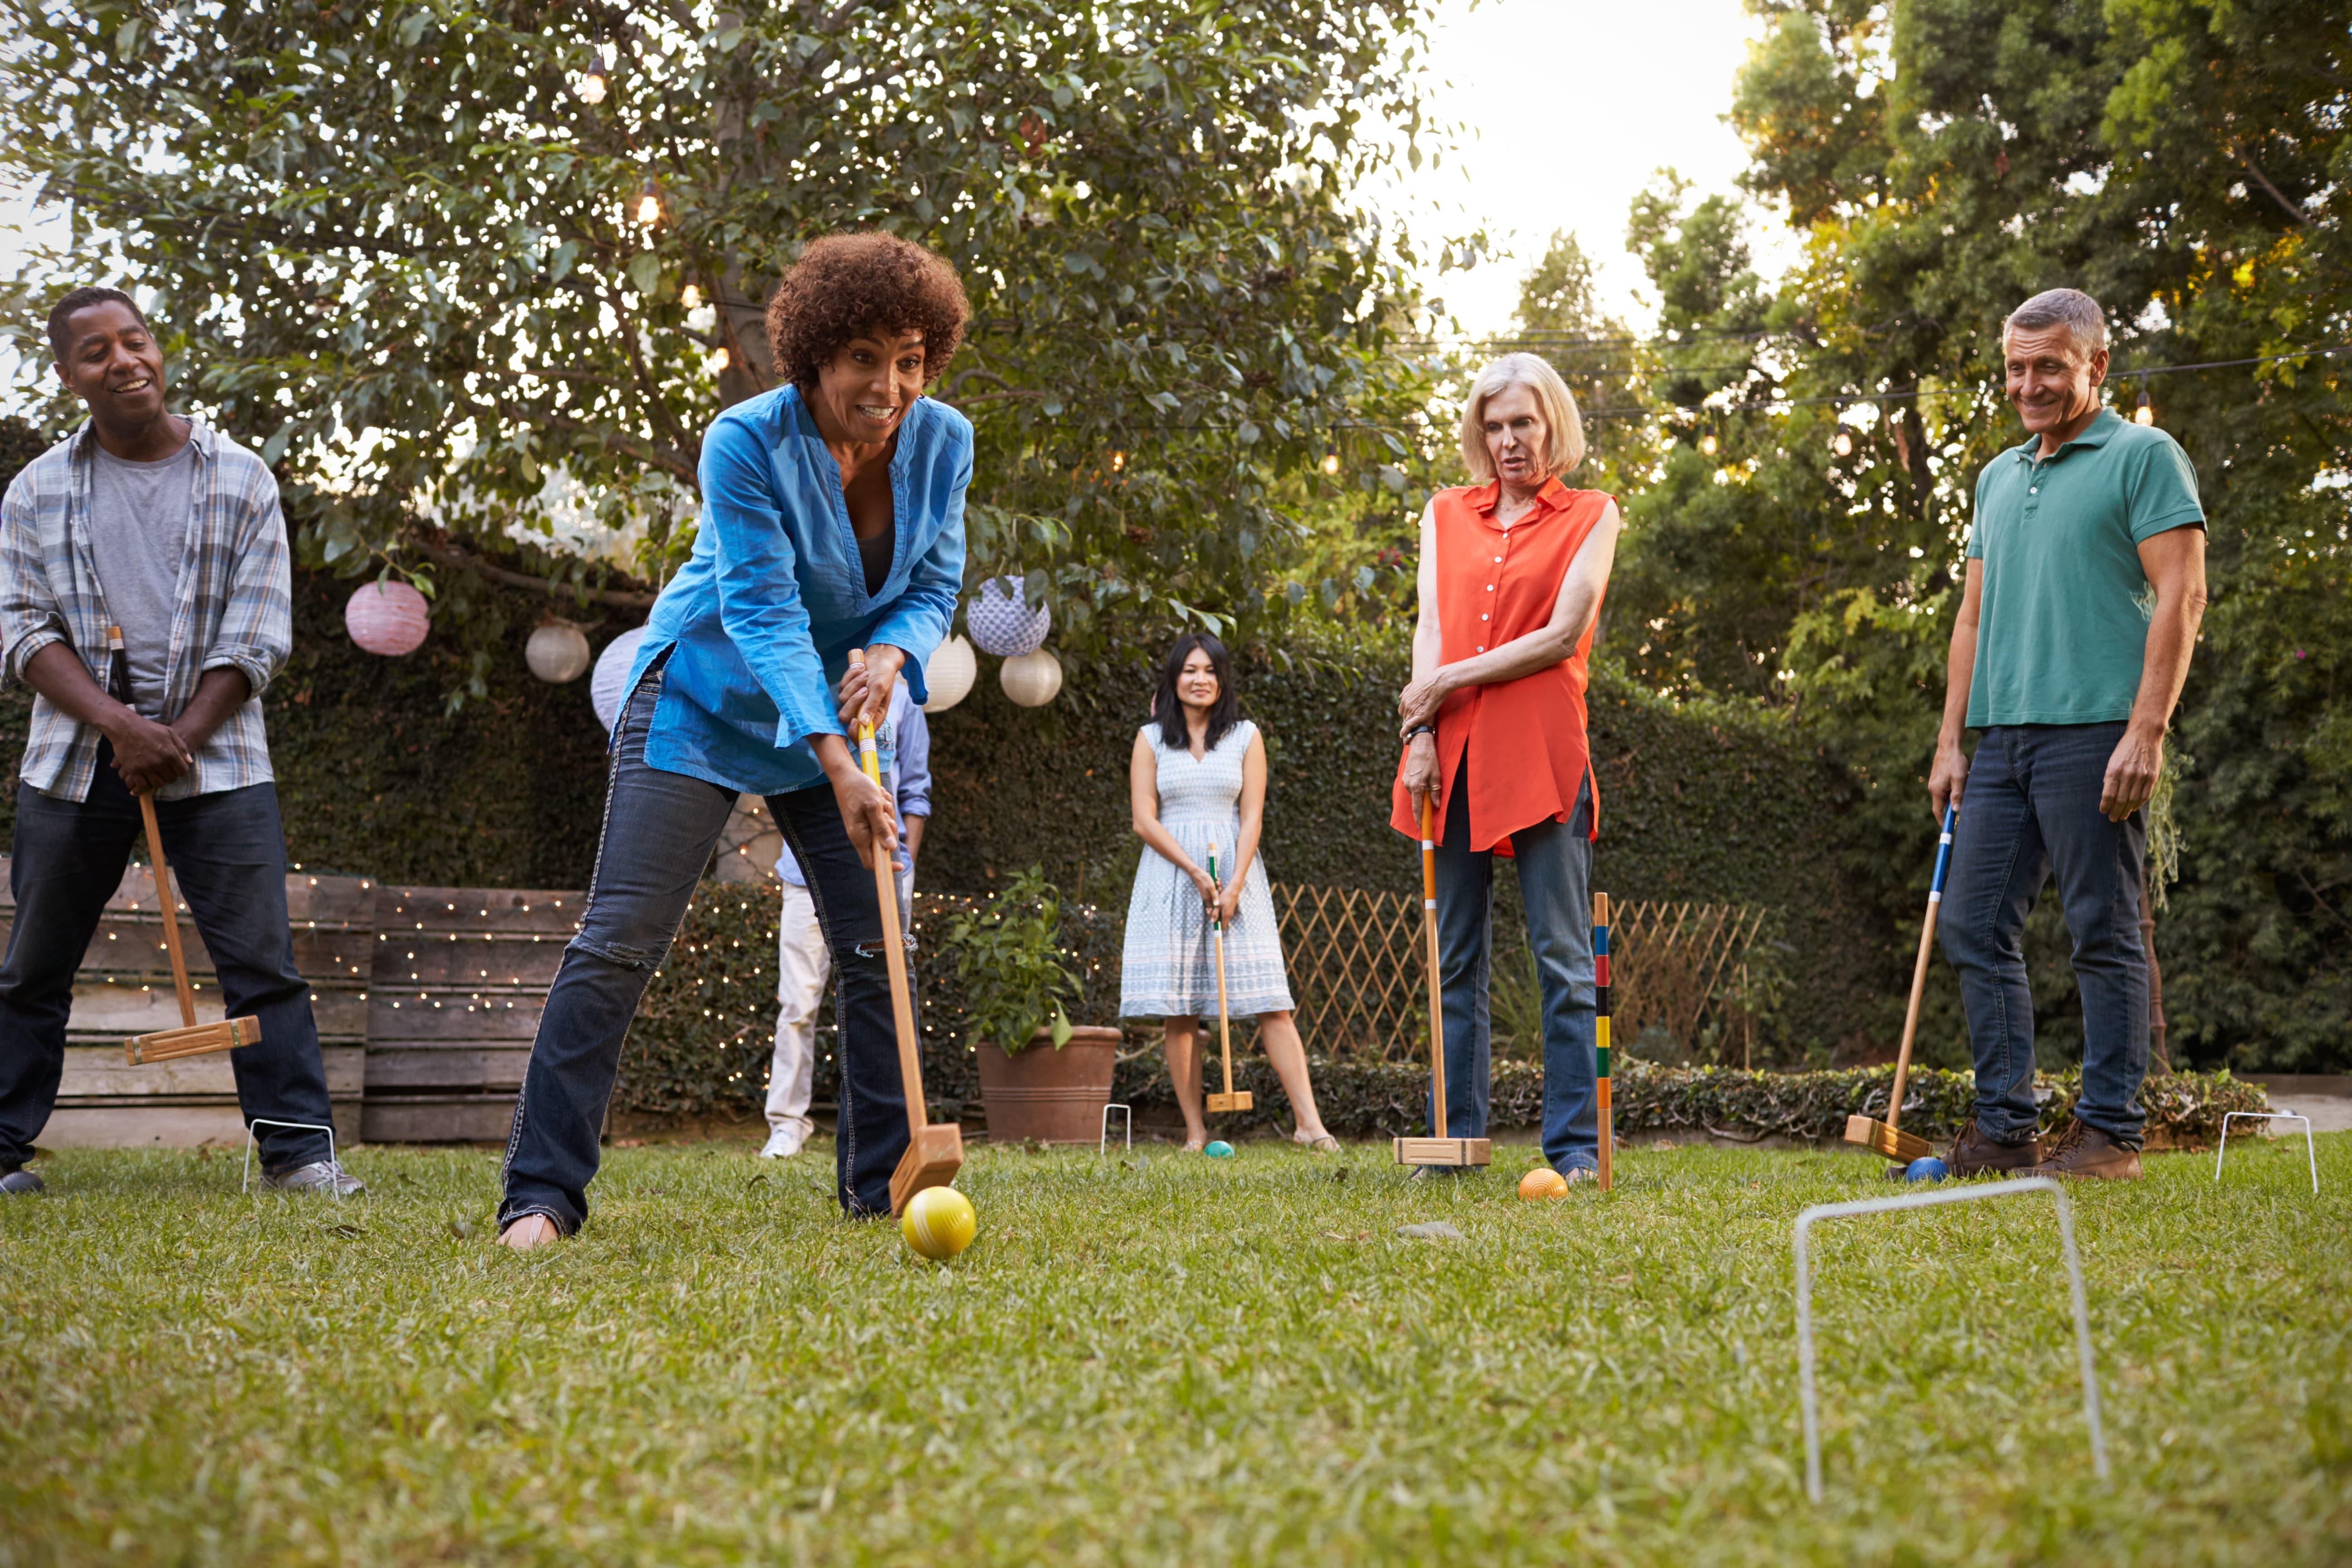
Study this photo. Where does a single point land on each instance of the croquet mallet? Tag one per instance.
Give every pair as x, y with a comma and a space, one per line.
192, 1038
934, 1148
1886, 1136
1438, 1150
1605, 1112
1229, 1101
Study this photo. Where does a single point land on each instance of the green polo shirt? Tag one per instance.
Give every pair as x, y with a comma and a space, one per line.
2062, 631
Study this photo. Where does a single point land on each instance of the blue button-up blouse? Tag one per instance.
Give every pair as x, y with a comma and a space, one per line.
763, 615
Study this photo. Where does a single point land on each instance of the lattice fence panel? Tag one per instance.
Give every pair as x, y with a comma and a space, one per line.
1356, 969
1357, 974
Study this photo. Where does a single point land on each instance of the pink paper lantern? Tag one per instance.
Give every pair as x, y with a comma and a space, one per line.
387, 617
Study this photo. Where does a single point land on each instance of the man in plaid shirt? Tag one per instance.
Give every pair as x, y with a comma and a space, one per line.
153, 523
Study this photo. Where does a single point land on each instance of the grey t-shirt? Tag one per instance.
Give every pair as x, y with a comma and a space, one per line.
138, 516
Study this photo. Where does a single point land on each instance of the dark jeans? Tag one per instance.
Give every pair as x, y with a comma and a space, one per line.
1555, 862
228, 855
659, 829
2030, 806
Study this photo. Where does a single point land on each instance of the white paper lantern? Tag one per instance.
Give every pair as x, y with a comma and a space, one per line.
1002, 621
557, 653
1031, 680
387, 617
611, 670
948, 676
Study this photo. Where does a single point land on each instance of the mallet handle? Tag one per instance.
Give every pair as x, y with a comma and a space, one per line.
1919, 970
171, 914
1429, 941
1217, 925
1602, 971
894, 949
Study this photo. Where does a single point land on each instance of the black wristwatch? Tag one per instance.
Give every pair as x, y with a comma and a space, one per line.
1419, 730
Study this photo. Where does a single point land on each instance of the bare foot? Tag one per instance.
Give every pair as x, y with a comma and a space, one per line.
1318, 1141
1195, 1141
531, 1230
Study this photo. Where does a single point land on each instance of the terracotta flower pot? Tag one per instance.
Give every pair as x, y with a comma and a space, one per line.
1050, 1096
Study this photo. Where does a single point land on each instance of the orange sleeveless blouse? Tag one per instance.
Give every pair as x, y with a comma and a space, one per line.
1525, 739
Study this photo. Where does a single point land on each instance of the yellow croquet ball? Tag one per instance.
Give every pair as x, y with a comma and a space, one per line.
938, 1222
1543, 1182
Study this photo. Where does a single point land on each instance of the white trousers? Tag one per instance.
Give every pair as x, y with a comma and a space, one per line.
803, 965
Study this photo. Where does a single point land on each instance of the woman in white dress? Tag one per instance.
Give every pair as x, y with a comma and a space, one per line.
1198, 781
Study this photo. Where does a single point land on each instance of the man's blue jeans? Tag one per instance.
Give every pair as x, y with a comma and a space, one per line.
228, 854
1555, 862
659, 829
2030, 807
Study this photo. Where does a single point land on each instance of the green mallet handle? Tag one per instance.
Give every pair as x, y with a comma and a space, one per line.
1217, 924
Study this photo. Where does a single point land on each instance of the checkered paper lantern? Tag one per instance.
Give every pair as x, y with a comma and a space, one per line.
557, 653
1002, 621
387, 617
949, 674
612, 671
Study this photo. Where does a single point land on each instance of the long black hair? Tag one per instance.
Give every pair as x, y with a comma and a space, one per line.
1168, 708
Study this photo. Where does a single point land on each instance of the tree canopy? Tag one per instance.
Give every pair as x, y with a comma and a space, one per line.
457, 266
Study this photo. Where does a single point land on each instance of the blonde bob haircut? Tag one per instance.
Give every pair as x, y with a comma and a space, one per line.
1563, 429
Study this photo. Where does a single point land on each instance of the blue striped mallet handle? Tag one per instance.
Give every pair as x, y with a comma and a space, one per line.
1919, 970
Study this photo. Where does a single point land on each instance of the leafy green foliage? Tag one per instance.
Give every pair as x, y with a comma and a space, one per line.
2185, 163
400, 247
1008, 965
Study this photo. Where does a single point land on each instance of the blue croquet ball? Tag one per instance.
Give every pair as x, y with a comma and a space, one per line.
1926, 1168
1220, 1150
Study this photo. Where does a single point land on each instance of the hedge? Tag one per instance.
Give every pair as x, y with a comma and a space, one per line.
703, 1037
1379, 1100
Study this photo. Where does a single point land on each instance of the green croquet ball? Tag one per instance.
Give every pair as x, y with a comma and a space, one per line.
1220, 1150
939, 1223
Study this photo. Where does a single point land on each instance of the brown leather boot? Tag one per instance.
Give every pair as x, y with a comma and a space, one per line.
2082, 1150
1974, 1155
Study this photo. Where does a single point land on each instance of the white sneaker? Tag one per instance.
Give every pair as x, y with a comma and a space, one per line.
784, 1143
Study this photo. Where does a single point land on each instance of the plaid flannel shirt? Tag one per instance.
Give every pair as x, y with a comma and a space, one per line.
235, 609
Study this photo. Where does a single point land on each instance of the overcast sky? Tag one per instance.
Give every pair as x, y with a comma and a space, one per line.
1568, 108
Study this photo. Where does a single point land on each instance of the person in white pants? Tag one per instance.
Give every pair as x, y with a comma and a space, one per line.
803, 964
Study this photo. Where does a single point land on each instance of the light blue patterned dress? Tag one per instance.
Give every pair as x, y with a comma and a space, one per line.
1169, 968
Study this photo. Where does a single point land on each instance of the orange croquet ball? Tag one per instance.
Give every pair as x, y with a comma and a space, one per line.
939, 1223
1543, 1182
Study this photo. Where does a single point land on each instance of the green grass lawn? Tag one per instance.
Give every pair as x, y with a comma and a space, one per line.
1162, 1358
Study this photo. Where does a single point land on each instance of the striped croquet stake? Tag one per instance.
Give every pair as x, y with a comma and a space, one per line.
1601, 1029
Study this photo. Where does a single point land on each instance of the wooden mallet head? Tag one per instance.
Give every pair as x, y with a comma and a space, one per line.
192, 1038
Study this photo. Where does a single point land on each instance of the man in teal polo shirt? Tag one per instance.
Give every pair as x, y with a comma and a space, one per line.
2086, 584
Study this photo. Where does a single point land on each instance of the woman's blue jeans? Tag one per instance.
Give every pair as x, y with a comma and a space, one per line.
2030, 807
659, 829
1555, 862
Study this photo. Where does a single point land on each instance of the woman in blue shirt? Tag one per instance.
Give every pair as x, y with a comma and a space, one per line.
832, 520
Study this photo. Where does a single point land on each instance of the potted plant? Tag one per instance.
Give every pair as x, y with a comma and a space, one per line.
1041, 1077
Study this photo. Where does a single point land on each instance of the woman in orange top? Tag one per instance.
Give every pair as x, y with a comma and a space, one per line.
1512, 571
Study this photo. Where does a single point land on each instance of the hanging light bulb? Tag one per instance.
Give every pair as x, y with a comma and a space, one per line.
1706, 443
1842, 442
1119, 462
721, 361
592, 88
1331, 460
690, 297
648, 206
2143, 414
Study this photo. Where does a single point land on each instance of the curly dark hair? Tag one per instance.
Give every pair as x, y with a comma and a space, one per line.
846, 284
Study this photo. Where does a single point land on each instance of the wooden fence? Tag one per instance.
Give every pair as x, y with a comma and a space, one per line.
1359, 976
